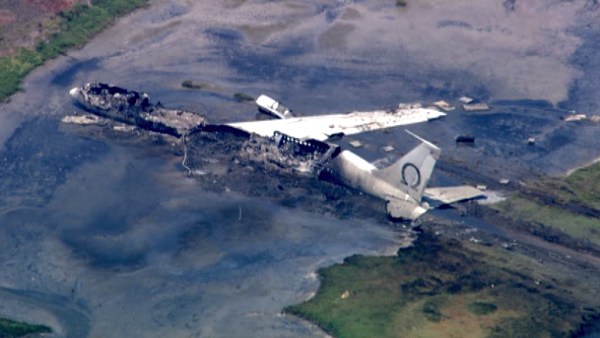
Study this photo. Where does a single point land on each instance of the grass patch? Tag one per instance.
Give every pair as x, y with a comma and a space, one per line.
241, 97
581, 187
438, 288
584, 186
189, 84
482, 309
562, 210
583, 228
73, 28
207, 87
432, 311
10, 328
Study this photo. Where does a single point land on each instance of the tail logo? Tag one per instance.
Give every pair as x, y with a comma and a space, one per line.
411, 176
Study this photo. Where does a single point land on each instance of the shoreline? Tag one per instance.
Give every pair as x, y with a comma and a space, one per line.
580, 167
76, 26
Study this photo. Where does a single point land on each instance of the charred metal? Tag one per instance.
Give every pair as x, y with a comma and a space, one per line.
135, 108
293, 145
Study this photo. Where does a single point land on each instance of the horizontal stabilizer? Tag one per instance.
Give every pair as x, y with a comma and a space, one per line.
449, 195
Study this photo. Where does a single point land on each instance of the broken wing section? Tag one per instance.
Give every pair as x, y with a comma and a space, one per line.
324, 126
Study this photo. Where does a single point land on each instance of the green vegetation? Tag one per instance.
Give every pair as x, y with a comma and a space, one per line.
438, 288
584, 229
563, 210
213, 88
193, 85
432, 311
241, 97
72, 28
582, 186
10, 328
482, 309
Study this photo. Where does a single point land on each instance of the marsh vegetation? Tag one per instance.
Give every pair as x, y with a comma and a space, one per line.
438, 288
563, 210
70, 28
12, 329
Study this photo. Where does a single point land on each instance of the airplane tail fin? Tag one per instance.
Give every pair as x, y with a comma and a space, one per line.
412, 172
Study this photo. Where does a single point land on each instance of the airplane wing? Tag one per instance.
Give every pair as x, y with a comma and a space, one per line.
325, 126
449, 195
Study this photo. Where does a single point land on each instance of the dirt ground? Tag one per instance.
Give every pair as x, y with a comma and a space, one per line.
24, 22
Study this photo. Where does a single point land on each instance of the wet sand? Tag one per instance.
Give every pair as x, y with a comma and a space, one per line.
124, 245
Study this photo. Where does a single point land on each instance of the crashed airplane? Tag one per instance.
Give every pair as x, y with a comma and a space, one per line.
304, 142
134, 108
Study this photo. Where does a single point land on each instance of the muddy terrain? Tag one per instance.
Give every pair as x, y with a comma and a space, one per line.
105, 234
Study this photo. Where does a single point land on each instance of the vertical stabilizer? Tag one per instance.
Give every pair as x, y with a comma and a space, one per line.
412, 172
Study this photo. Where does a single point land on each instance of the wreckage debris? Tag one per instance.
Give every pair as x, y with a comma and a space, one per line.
444, 105
595, 118
207, 148
388, 148
476, 107
280, 152
304, 156
413, 105
271, 107
466, 99
85, 119
574, 117
135, 108
504, 181
466, 139
355, 144
472, 105
124, 128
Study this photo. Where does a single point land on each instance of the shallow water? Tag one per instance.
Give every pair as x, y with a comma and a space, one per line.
127, 233
111, 238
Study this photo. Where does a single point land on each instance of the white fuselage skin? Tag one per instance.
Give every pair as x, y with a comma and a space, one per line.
357, 173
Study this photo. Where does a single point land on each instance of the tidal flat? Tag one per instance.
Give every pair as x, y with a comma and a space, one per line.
104, 234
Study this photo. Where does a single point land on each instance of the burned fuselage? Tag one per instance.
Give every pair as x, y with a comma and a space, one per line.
279, 152
292, 145
283, 152
135, 108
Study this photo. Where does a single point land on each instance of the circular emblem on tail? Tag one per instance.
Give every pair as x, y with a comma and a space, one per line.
411, 175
